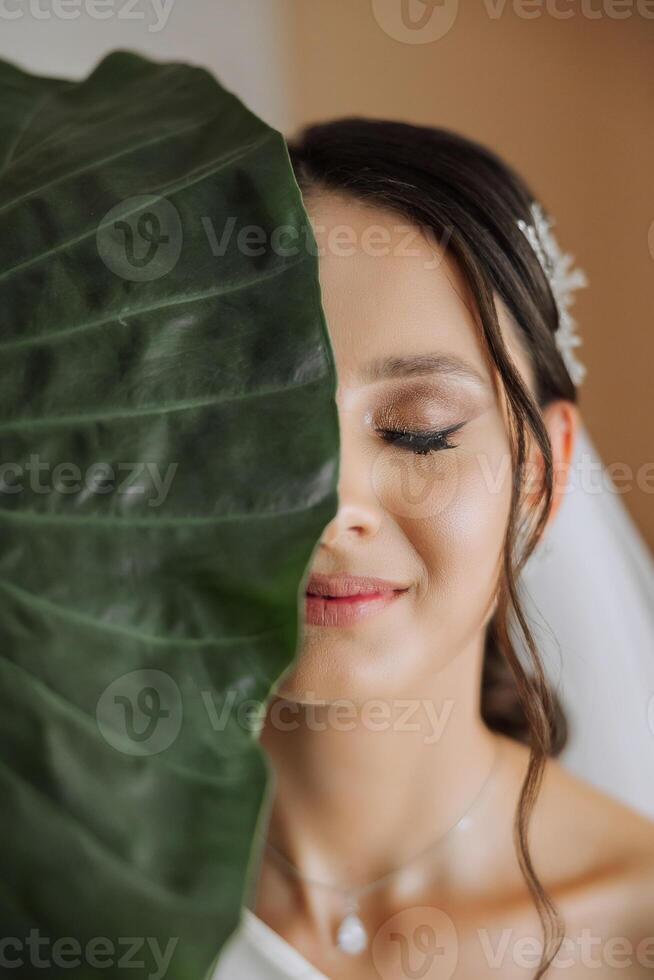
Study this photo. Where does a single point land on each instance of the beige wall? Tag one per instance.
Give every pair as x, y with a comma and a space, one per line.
569, 102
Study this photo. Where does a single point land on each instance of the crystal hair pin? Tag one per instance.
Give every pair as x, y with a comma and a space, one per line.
563, 281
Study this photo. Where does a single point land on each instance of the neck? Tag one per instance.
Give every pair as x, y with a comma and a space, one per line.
346, 781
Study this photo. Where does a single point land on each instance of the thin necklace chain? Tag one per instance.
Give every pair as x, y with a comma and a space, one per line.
370, 886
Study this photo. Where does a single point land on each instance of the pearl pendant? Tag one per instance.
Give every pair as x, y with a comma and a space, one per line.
352, 937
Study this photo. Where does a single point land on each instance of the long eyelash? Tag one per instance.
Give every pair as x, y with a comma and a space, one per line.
420, 443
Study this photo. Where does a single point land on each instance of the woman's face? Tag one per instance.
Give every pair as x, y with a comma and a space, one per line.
408, 357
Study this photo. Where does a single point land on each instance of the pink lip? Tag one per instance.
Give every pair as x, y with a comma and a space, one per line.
341, 600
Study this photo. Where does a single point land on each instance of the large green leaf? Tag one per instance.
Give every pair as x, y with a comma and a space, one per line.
136, 623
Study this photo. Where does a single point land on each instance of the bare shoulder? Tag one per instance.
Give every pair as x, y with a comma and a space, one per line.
594, 853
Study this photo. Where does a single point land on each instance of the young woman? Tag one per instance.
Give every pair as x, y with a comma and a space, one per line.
420, 825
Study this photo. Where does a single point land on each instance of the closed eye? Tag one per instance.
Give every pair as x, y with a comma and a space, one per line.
420, 443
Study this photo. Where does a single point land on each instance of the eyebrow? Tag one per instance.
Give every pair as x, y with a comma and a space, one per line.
416, 365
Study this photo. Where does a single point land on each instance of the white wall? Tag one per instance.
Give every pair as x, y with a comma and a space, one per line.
240, 41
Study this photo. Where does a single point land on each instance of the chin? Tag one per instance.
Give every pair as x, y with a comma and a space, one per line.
350, 669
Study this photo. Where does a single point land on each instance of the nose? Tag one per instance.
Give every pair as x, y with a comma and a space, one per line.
359, 511
352, 519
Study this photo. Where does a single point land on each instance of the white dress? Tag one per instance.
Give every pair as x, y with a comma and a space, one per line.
256, 952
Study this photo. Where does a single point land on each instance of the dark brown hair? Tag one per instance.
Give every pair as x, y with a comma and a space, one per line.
460, 191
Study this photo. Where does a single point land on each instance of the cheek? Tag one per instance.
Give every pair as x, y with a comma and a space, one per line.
469, 540
454, 508
416, 490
